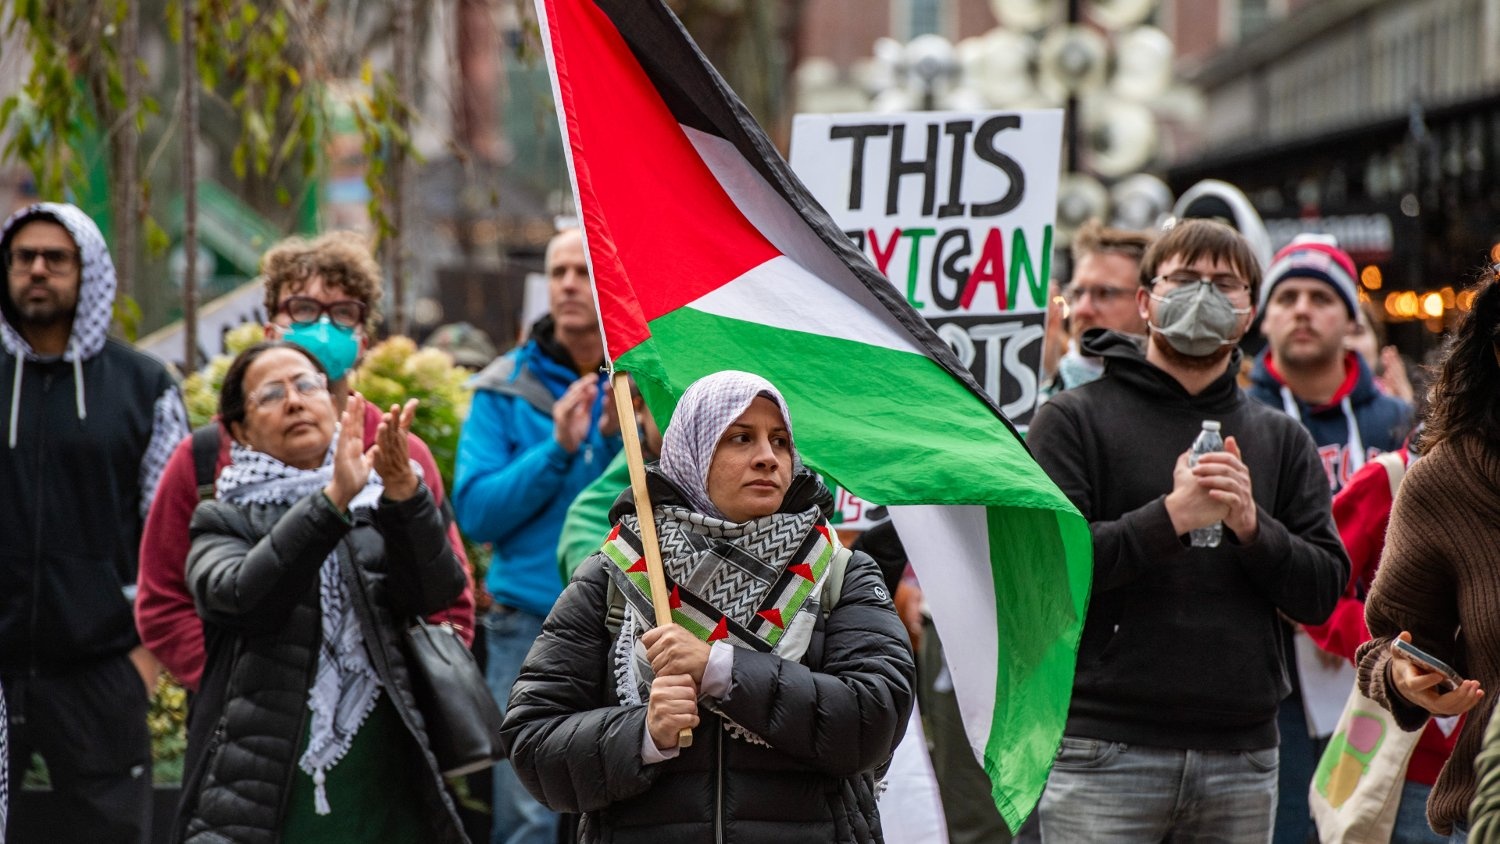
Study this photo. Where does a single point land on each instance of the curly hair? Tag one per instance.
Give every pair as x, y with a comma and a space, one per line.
341, 258
1465, 399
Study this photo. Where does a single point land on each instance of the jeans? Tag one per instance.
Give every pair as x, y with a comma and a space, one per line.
518, 817
1109, 791
1460, 834
1411, 817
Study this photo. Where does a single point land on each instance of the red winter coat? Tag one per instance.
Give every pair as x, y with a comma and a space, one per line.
165, 614
1362, 510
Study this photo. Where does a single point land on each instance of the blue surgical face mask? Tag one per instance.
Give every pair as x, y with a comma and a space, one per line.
333, 345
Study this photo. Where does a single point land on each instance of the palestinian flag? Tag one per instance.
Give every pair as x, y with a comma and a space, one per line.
707, 253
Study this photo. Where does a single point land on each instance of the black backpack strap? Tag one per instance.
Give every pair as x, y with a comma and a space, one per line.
206, 458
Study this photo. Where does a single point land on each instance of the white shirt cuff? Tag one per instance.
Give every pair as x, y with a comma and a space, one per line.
719, 672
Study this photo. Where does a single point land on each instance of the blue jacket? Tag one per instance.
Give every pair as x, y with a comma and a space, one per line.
513, 482
1382, 421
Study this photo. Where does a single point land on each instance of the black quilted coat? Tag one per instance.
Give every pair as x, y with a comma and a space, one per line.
253, 571
831, 720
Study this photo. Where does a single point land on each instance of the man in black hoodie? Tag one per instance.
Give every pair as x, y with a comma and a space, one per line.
88, 425
1172, 727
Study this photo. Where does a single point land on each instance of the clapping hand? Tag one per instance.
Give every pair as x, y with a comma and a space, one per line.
1227, 479
351, 468
388, 456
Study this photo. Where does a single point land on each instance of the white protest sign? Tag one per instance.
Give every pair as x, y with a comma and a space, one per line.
957, 210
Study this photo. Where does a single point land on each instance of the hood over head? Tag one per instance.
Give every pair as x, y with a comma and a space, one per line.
96, 300
96, 286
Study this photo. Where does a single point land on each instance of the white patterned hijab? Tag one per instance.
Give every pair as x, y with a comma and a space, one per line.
708, 407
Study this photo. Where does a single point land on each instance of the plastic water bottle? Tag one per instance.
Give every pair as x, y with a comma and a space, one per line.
1208, 440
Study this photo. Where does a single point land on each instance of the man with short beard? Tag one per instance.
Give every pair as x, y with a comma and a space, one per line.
541, 427
1171, 730
1310, 307
88, 424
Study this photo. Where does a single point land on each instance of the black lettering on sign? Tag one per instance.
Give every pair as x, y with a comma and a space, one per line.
947, 289
1004, 353
859, 134
958, 130
926, 167
984, 147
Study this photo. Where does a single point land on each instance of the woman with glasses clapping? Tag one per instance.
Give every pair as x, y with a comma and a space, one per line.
304, 568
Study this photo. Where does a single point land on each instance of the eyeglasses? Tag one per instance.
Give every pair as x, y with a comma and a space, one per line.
305, 310
1103, 296
1230, 285
57, 261
307, 385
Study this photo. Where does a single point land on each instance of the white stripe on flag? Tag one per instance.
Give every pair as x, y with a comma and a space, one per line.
782, 294
911, 810
784, 227
949, 548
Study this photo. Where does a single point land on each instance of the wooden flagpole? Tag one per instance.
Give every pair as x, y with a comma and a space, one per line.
655, 574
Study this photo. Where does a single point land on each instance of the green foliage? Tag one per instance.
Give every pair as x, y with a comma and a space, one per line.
379, 119
127, 315
167, 720
70, 45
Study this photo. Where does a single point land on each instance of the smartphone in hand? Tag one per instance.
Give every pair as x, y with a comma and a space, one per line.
1428, 662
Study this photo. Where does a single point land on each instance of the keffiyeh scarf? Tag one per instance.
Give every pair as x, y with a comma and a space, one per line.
754, 584
345, 687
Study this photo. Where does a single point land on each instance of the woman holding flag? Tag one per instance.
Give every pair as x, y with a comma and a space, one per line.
786, 654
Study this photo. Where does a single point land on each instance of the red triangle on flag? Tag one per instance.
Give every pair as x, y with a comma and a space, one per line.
640, 565
772, 615
613, 534
823, 529
804, 569
675, 600
721, 631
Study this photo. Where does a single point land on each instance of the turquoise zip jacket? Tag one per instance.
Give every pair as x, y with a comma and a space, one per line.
513, 482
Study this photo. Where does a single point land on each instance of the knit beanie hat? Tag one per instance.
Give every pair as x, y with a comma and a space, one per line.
1316, 256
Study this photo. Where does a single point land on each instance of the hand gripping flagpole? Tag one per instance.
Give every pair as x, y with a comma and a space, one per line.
655, 574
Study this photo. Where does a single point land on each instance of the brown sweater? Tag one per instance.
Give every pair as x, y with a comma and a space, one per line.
1440, 579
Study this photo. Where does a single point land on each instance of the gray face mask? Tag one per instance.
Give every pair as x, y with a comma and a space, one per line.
1197, 319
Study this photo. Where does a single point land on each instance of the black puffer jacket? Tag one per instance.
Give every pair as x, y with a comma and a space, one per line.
831, 720
253, 571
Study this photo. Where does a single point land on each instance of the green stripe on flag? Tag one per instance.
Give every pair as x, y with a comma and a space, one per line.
690, 625
850, 400
1034, 682
620, 559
